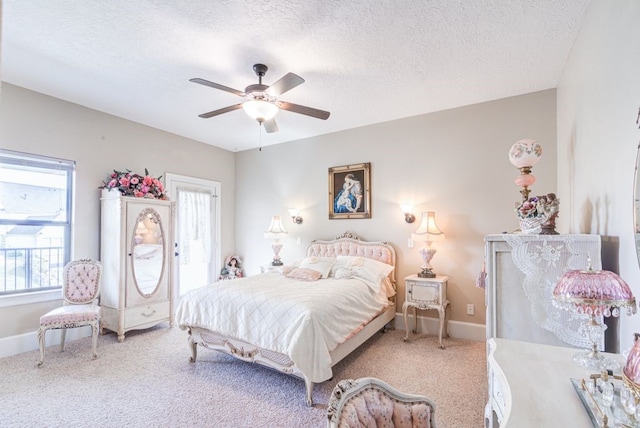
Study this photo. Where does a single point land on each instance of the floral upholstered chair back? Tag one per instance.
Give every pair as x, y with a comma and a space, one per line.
370, 402
81, 282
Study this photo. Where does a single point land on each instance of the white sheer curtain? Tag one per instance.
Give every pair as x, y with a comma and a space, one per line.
194, 224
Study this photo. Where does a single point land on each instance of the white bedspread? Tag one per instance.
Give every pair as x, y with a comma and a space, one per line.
304, 320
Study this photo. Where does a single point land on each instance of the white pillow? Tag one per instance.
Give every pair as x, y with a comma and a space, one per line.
320, 264
372, 272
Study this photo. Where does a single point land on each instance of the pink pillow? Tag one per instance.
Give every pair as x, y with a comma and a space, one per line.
304, 274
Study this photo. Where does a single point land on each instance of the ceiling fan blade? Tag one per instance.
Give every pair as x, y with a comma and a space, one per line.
270, 126
217, 86
286, 83
308, 111
220, 111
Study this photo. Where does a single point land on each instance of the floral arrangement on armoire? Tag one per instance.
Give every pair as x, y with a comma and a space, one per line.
129, 183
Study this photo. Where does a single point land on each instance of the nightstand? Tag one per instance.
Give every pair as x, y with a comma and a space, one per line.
424, 294
269, 268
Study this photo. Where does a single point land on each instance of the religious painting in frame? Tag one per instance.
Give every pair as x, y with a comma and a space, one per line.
350, 191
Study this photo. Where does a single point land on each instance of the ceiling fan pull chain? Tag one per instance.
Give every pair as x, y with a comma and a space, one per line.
260, 136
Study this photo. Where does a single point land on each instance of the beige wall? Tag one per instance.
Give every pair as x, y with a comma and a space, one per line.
35, 123
453, 162
598, 100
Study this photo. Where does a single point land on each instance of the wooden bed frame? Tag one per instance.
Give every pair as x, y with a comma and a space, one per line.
347, 244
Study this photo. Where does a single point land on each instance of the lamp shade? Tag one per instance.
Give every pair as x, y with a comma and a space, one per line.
260, 110
275, 228
594, 292
525, 153
428, 225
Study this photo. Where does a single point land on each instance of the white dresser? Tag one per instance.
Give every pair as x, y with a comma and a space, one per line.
137, 255
522, 271
530, 386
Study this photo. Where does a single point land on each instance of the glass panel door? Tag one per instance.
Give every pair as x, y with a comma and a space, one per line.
197, 230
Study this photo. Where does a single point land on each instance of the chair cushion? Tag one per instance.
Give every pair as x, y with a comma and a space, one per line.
70, 316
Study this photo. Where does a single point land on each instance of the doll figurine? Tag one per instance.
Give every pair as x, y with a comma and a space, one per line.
231, 269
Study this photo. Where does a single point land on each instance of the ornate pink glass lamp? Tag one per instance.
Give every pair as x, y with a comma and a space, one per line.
594, 293
275, 231
630, 393
524, 154
427, 231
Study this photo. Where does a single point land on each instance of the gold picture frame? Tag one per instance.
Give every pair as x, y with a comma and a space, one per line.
350, 191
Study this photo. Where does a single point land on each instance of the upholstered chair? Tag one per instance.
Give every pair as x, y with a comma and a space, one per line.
370, 402
80, 290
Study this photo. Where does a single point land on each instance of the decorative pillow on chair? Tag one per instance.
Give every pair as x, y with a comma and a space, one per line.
304, 274
320, 264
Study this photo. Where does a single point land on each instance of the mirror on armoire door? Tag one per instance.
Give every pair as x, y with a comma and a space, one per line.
147, 252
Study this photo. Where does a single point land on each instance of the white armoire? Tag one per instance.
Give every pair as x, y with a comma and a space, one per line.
522, 271
137, 255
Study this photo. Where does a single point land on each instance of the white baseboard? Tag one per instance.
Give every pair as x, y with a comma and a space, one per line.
14, 345
18, 344
457, 329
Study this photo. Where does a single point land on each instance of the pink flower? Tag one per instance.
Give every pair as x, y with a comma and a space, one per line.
129, 183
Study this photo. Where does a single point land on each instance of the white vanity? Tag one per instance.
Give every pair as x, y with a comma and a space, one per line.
530, 386
137, 255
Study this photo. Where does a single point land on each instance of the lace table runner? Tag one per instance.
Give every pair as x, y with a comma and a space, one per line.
543, 259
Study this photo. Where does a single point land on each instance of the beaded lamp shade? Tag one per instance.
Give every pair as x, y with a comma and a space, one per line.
594, 293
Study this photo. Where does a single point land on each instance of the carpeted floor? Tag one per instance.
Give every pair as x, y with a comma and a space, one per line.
147, 381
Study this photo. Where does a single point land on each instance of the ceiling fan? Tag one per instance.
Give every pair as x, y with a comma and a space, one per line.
261, 101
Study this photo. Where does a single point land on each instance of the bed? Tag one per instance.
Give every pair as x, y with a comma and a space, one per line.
299, 327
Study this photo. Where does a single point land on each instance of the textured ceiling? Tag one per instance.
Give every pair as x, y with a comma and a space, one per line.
364, 61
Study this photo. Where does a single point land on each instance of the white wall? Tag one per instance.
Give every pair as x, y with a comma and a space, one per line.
453, 162
598, 100
35, 123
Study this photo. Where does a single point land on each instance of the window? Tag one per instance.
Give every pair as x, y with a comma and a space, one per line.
35, 221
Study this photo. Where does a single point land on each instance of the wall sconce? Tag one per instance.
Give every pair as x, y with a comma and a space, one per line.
406, 210
275, 231
294, 215
428, 230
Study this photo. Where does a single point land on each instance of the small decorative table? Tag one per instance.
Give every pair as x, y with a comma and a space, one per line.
424, 294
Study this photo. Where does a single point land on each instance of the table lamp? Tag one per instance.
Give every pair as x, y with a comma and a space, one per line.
275, 231
428, 230
524, 154
594, 293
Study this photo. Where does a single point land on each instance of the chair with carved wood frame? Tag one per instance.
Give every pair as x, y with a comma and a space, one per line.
371, 402
80, 291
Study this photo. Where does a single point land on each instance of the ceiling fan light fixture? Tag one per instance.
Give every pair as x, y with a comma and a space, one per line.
260, 110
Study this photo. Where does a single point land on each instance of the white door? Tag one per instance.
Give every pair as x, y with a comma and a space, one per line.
197, 230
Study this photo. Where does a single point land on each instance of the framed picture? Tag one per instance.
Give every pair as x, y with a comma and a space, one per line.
350, 191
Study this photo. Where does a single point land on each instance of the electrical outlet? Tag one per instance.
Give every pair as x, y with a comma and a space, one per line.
410, 243
471, 310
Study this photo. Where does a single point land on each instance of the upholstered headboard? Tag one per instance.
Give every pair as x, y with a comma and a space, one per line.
349, 244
